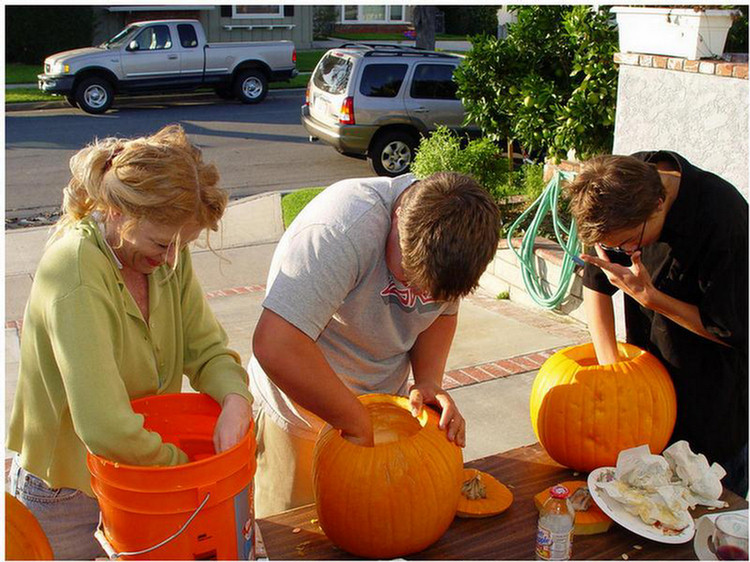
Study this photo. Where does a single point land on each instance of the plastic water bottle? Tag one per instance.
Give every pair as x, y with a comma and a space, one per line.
554, 536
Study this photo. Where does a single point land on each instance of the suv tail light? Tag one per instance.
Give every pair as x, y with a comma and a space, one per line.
307, 94
346, 116
294, 56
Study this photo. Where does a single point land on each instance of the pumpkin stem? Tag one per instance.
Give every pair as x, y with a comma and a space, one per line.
473, 488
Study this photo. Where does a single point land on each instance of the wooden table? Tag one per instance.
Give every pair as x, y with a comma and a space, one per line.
508, 536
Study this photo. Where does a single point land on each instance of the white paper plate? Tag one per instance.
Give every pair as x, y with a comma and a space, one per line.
631, 522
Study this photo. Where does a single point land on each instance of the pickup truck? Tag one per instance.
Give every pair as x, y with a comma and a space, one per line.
166, 55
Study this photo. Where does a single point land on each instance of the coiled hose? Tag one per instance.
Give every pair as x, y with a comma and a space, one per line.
545, 203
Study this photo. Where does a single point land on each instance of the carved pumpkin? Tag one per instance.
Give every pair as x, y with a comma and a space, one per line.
590, 521
395, 498
482, 495
24, 537
584, 413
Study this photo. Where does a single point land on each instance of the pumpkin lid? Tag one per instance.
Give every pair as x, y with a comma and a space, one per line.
482, 495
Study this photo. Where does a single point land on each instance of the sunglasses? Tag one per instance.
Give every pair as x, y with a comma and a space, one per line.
620, 249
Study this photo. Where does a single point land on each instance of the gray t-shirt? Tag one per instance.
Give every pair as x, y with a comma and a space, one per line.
329, 279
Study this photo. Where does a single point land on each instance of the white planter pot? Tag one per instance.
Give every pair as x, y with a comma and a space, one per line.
678, 32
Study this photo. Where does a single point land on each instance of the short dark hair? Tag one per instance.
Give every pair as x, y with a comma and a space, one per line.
613, 193
449, 228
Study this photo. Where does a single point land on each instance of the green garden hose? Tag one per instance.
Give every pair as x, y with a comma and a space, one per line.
545, 203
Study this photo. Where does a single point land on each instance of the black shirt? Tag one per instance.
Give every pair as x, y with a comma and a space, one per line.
701, 258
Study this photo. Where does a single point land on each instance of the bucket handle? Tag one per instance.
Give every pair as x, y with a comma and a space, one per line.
114, 555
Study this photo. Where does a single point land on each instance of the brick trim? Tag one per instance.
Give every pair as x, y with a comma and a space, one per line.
734, 67
499, 369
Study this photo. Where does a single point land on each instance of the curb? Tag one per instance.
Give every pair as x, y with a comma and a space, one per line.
128, 101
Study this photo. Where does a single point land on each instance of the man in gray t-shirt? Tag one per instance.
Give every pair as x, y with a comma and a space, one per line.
363, 288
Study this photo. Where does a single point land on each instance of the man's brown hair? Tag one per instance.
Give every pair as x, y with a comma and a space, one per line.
613, 193
449, 228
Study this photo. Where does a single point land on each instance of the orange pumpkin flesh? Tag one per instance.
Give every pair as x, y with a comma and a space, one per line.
589, 522
498, 496
584, 413
395, 498
24, 537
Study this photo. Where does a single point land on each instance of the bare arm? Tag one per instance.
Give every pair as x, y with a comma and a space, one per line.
601, 320
428, 357
296, 365
636, 282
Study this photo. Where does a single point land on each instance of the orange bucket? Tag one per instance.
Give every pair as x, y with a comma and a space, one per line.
201, 510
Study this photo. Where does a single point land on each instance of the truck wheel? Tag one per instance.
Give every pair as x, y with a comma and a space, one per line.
94, 95
251, 86
224, 93
391, 154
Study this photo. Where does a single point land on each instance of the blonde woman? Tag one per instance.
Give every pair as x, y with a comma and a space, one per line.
116, 313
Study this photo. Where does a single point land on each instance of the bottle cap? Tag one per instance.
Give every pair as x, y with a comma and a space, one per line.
559, 492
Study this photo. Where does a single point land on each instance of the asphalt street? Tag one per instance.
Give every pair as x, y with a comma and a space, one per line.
257, 148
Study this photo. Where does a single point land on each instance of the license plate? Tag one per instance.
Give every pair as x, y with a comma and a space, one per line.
321, 106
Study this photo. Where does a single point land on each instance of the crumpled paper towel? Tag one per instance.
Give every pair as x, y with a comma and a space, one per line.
663, 488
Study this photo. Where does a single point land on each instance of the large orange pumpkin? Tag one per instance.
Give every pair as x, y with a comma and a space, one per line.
395, 498
24, 537
584, 413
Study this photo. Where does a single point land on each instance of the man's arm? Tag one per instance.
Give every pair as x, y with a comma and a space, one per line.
296, 365
600, 316
428, 357
636, 282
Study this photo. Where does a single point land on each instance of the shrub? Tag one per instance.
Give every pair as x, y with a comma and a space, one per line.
551, 84
470, 20
39, 31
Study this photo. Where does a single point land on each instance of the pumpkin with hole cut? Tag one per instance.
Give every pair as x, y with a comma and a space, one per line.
589, 521
24, 537
482, 495
395, 498
584, 413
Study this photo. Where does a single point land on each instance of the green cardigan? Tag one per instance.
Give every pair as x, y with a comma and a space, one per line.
86, 352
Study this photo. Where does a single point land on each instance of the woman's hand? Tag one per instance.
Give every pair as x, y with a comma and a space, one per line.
233, 423
450, 418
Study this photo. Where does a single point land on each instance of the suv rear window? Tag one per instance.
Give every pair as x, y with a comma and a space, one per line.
382, 80
434, 81
332, 74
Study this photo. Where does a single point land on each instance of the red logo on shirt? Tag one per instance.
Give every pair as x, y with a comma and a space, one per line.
407, 298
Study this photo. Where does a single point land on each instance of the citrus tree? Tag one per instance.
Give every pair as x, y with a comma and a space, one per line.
551, 84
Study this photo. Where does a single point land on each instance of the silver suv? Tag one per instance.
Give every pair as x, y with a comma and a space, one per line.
376, 100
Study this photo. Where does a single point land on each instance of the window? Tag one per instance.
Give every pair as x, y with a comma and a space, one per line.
258, 11
351, 13
382, 80
434, 82
154, 38
372, 13
188, 38
332, 74
369, 13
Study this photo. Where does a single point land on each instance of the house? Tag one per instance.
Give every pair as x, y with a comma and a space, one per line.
372, 18
251, 22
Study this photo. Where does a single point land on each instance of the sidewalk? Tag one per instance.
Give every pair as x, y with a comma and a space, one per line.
498, 347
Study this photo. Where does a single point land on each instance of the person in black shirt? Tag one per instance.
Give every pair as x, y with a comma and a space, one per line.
674, 239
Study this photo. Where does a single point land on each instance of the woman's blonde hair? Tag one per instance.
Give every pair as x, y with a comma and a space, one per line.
161, 178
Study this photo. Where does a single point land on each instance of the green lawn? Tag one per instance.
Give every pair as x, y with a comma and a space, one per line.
306, 60
293, 203
391, 37
21, 73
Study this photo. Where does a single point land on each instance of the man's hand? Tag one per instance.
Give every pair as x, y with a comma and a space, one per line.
233, 423
450, 418
363, 434
634, 280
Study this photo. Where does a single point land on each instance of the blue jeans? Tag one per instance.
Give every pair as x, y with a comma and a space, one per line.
68, 517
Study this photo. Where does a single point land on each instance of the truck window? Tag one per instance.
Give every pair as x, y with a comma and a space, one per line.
188, 37
332, 74
434, 81
382, 80
154, 38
